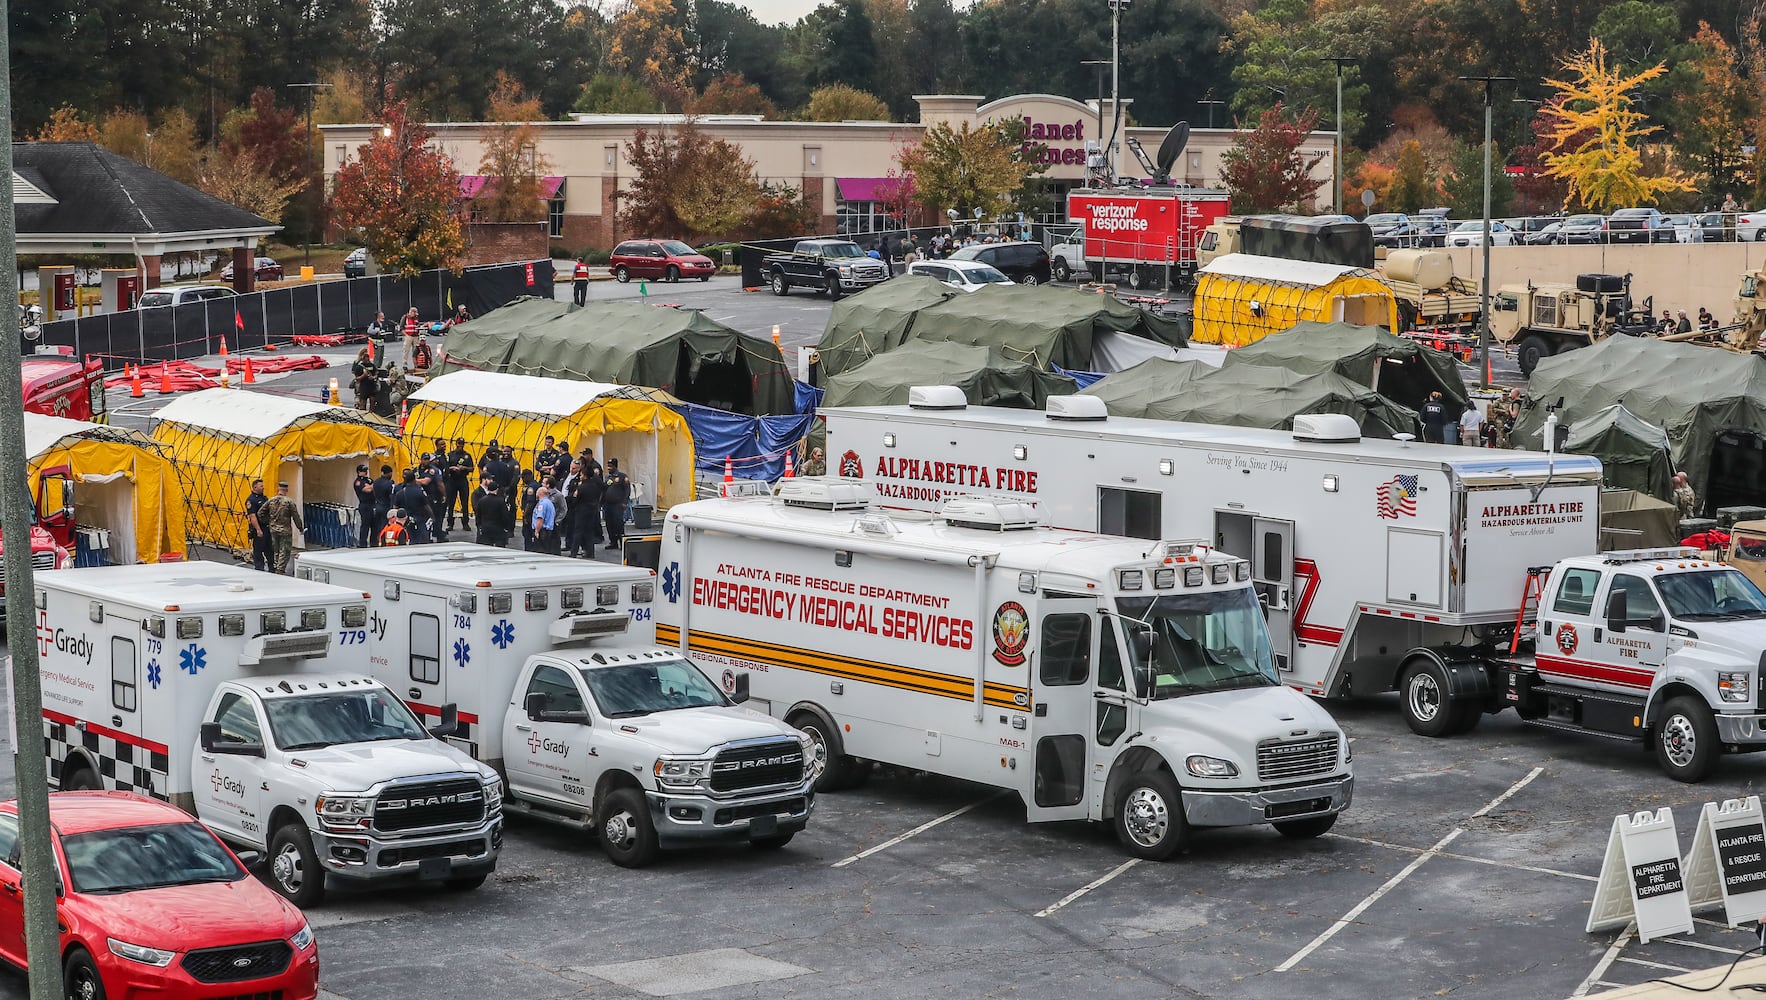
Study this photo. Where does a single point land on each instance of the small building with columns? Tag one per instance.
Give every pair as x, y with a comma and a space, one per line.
80, 198
837, 165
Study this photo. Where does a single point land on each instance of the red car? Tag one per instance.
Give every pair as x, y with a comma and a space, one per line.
265, 268
152, 905
669, 260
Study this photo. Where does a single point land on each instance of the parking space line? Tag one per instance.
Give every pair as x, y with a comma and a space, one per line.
1404, 873
916, 831
1465, 857
1655, 965
1703, 947
1089, 886
1606, 962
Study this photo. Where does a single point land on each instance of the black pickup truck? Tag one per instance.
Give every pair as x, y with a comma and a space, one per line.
835, 266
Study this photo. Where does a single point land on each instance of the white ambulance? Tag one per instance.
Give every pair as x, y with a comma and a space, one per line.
1098, 677
198, 683
1361, 550
452, 623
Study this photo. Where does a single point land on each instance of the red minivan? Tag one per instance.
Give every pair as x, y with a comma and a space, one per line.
669, 260
152, 904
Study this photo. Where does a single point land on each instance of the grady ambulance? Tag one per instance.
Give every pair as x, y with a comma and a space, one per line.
452, 623
192, 682
1098, 677
1360, 550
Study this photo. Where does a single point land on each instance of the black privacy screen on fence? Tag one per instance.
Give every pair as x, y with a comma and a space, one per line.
273, 315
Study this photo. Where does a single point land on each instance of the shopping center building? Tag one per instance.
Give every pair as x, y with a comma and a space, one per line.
839, 166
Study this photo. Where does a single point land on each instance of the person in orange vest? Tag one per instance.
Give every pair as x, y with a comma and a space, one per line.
394, 533
411, 335
579, 283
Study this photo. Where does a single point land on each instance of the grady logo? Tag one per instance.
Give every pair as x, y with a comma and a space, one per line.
80, 647
232, 786
377, 625
537, 744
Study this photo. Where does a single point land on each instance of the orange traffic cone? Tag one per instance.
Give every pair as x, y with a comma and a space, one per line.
1489, 373
250, 376
135, 382
729, 475
223, 345
404, 415
790, 471
165, 378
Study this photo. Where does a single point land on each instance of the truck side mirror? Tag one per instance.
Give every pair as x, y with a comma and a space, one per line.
740, 694
1616, 612
450, 722
210, 737
535, 703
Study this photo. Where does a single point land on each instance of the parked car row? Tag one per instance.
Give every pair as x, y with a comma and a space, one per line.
1627, 225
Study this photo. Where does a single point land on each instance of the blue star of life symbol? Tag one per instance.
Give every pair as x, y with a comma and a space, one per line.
192, 658
503, 633
153, 673
462, 652
671, 582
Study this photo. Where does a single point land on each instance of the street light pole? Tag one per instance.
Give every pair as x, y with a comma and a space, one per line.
1116, 8
1490, 83
1100, 64
312, 167
1337, 166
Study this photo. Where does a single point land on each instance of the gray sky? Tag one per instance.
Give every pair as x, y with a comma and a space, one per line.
788, 11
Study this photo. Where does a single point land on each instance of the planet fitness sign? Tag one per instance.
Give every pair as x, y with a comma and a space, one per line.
1040, 139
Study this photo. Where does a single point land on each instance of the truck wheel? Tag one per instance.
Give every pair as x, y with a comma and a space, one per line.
1062, 271
780, 285
79, 976
1137, 278
627, 834
1686, 740
673, 275
833, 281
1423, 698
1470, 714
464, 884
771, 843
1532, 351
621, 275
1149, 817
1307, 829
835, 766
294, 866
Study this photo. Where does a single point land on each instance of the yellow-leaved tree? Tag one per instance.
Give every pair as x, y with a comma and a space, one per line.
1596, 130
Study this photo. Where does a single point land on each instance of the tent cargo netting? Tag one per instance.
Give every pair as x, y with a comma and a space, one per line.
635, 425
1401, 370
1247, 396
1039, 324
122, 480
683, 352
985, 376
1241, 298
222, 439
1710, 402
876, 320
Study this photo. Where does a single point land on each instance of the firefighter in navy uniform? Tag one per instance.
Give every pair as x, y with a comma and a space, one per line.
363, 488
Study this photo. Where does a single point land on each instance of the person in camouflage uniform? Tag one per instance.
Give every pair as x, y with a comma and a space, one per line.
280, 517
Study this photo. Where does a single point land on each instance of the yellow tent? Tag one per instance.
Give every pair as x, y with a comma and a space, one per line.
1241, 298
222, 439
632, 424
121, 482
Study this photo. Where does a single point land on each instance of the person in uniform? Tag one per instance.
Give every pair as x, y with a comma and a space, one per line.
395, 532
261, 556
459, 469
363, 488
815, 464
614, 498
1684, 497
492, 511
280, 516
383, 487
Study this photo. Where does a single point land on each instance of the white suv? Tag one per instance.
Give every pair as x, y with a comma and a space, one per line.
181, 294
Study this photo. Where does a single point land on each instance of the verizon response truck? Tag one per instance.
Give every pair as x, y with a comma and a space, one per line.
1097, 677
1149, 233
1361, 550
192, 682
558, 685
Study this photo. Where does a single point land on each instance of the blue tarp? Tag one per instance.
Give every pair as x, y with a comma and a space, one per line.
1084, 379
755, 445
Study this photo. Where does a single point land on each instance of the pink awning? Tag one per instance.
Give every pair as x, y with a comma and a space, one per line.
472, 185
865, 188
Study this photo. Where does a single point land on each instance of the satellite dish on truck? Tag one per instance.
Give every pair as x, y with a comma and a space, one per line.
1170, 150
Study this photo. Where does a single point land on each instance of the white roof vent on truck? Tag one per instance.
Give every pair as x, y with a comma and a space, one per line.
937, 397
821, 493
589, 625
988, 513
1076, 408
1326, 428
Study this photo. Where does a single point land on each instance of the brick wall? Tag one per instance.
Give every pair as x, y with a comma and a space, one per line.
497, 242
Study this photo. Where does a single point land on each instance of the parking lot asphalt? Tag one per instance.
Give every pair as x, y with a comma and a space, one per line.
1464, 868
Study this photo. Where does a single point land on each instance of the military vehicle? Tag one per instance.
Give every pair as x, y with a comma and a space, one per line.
1540, 320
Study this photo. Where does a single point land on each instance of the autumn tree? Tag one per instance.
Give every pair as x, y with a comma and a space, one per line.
1279, 48
616, 94
67, 124
1713, 116
404, 196
1411, 188
967, 169
687, 185
1462, 187
1264, 170
1597, 134
730, 94
512, 164
839, 103
645, 41
243, 181
779, 211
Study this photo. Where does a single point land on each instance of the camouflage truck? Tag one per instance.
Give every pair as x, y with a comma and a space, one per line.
1540, 320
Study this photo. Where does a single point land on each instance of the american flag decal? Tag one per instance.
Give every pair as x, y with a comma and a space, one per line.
1397, 496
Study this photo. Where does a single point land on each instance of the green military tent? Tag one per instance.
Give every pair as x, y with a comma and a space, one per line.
986, 377
1633, 520
1634, 453
875, 320
1039, 323
1711, 403
680, 351
1247, 396
1401, 370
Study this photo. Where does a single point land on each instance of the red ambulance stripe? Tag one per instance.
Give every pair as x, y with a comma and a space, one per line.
421, 709
115, 734
1605, 673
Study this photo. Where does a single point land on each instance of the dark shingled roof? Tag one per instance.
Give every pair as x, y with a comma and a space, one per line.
98, 191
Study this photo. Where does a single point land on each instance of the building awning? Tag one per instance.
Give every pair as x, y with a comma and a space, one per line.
865, 188
472, 185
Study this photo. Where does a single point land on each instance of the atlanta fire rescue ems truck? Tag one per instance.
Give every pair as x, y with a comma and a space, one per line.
1150, 233
203, 684
1098, 677
625, 739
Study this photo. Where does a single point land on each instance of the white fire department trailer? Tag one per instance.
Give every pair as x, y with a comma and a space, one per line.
454, 623
1362, 550
1097, 677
